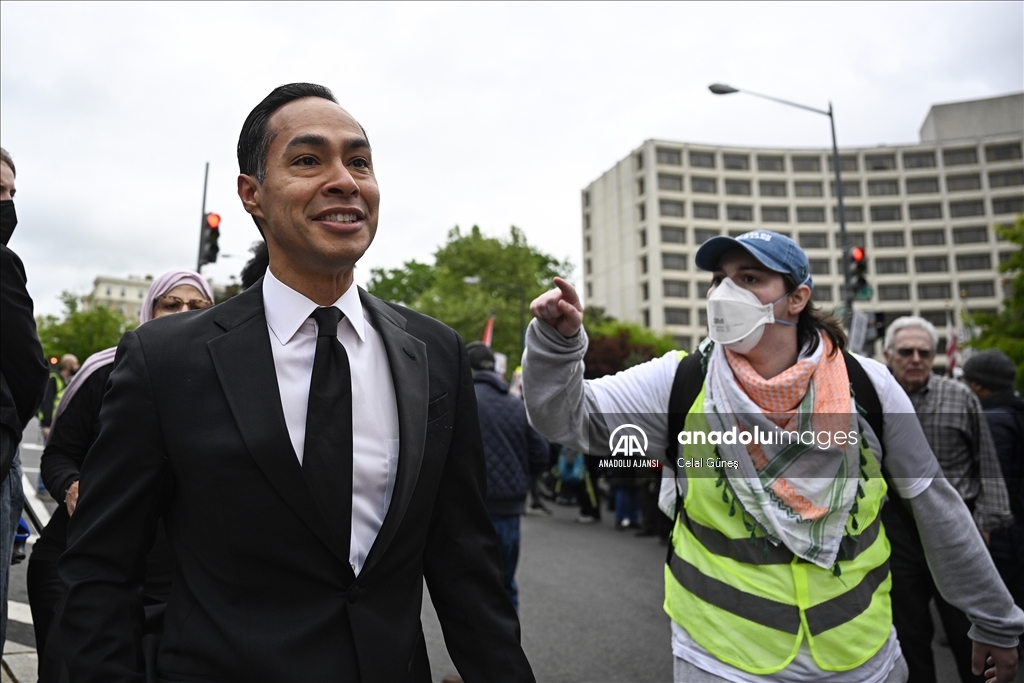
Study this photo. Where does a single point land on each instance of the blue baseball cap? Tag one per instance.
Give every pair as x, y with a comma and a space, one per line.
774, 251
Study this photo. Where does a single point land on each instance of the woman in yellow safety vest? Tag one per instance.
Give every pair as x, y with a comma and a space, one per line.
784, 448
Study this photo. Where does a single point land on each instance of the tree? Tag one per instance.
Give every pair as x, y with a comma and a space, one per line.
84, 329
616, 345
473, 277
1005, 329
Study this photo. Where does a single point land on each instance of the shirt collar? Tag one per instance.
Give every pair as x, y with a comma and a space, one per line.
287, 309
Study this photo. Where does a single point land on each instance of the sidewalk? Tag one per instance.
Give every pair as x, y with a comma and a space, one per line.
20, 664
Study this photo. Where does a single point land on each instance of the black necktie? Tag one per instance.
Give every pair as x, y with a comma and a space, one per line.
327, 456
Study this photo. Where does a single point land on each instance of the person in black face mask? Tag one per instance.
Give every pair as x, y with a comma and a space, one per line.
22, 377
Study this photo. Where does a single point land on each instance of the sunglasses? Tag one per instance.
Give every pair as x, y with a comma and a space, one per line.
925, 354
172, 304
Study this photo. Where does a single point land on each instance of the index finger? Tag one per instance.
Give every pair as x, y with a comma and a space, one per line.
569, 294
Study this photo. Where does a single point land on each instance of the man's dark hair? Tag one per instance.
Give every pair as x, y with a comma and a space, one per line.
257, 265
254, 140
6, 158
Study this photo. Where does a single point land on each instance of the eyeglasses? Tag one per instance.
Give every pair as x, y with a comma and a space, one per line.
172, 304
925, 354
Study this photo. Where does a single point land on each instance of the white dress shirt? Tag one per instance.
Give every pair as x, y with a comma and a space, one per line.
374, 408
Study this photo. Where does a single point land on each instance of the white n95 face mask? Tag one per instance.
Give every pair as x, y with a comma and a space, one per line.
736, 317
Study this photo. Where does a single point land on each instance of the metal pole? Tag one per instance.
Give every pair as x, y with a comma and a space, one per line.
202, 220
843, 241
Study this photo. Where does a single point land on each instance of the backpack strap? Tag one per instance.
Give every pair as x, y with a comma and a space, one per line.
688, 382
865, 396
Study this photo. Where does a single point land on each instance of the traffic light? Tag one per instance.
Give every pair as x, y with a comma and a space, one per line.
858, 282
211, 233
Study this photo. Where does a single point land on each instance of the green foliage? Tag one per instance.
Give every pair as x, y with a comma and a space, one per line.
616, 345
472, 277
1005, 329
83, 330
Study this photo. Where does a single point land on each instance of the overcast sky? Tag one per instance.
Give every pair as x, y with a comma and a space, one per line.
488, 114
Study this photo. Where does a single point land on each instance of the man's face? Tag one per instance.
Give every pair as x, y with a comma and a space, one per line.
7, 189
910, 358
318, 203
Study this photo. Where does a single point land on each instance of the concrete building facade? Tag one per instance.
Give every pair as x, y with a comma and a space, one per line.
124, 294
924, 213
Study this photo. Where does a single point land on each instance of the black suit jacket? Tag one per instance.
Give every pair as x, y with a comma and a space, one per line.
193, 430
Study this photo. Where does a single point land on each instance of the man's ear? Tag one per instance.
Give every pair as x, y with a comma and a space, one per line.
249, 192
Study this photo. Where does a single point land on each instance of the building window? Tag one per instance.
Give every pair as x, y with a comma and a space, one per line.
1002, 152
973, 290
672, 183
960, 157
925, 212
971, 235
775, 214
645, 291
108, 291
963, 183
742, 187
813, 240
1006, 178
931, 264
919, 160
933, 290
772, 188
820, 266
674, 261
973, 207
928, 238
807, 189
1005, 256
647, 317
766, 162
893, 292
889, 266
937, 318
1008, 205
973, 261
709, 211
684, 342
702, 235
738, 212
888, 238
922, 185
586, 199
851, 188
643, 238
885, 214
141, 294
702, 159
677, 316
880, 162
123, 293
846, 163
877, 188
806, 164
590, 290
676, 289
702, 291
670, 157
810, 214
586, 244
639, 160
853, 237
586, 221
854, 214
673, 235
588, 267
667, 207
736, 162
703, 185
821, 293
640, 187
643, 265
641, 210
702, 317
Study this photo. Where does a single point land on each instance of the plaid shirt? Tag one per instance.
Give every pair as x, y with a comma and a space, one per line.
954, 424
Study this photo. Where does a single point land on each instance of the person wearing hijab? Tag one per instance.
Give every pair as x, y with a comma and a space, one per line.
78, 418
784, 446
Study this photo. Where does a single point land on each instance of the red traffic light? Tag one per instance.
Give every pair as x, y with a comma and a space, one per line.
857, 254
213, 220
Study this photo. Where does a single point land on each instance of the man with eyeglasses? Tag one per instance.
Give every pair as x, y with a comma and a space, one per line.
954, 425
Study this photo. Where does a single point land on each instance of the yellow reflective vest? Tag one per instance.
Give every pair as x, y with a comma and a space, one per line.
750, 603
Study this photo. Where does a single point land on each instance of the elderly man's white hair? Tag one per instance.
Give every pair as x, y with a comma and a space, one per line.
909, 322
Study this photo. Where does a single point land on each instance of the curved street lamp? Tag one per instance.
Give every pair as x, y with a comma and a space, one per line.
722, 89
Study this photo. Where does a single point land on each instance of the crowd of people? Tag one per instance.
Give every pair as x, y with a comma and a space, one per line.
390, 454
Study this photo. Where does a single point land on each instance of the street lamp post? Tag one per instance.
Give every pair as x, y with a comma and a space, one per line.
475, 280
721, 89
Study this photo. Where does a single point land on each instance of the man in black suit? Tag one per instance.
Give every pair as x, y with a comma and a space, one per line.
299, 557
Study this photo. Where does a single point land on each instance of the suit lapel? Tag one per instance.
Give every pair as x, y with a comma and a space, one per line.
245, 366
407, 357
